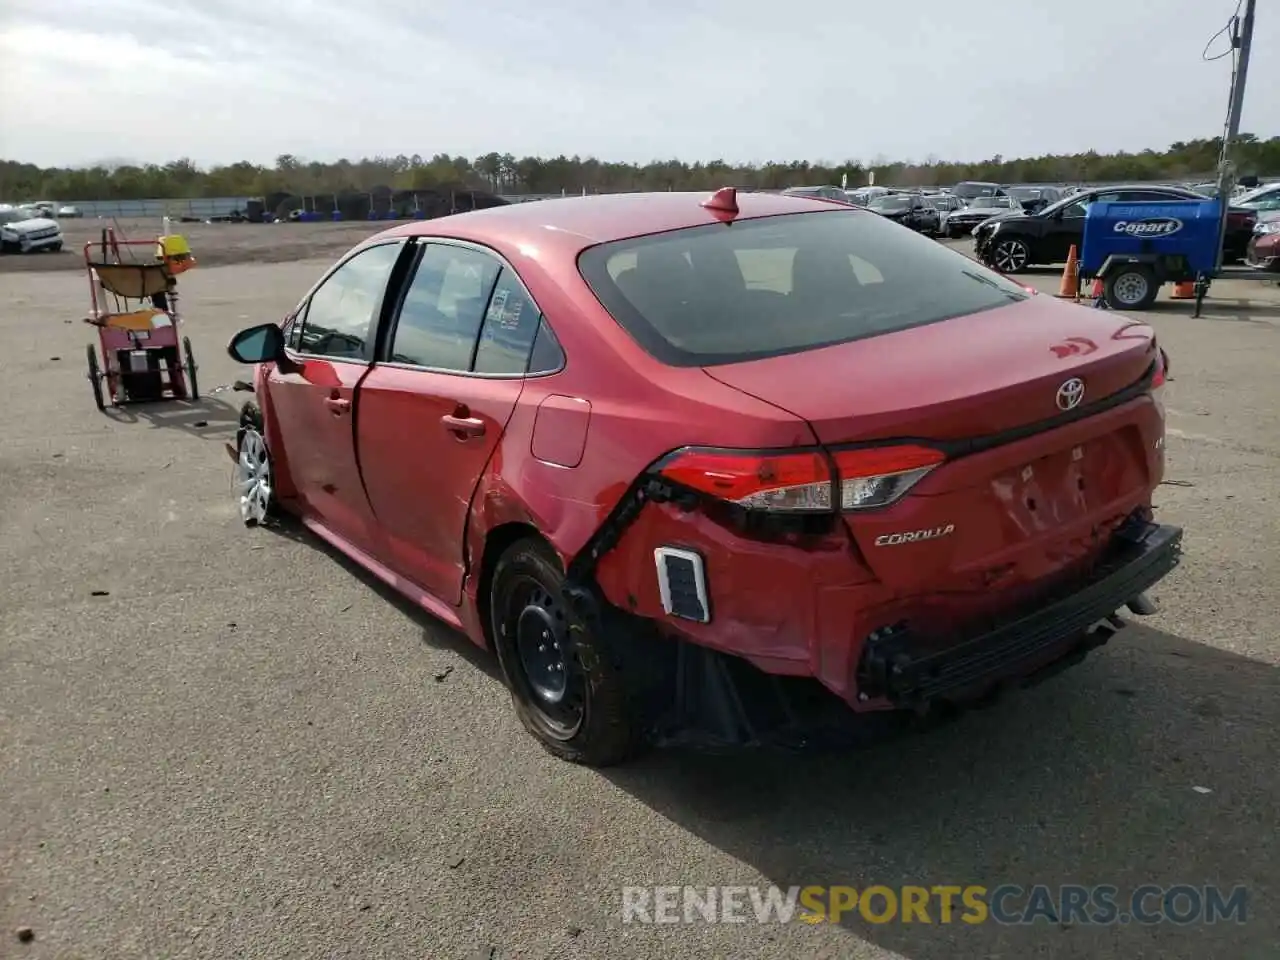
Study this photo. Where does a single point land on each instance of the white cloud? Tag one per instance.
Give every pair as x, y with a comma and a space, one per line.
223, 80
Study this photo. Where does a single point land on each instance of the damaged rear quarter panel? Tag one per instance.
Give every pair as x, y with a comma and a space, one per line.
763, 595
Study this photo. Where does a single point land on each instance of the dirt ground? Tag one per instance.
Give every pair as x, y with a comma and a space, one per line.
214, 244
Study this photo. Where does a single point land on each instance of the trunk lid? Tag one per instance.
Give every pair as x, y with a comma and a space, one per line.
967, 377
1007, 514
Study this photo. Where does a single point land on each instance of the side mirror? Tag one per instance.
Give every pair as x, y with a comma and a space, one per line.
261, 344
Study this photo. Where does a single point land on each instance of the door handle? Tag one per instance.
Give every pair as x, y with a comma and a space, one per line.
464, 428
337, 405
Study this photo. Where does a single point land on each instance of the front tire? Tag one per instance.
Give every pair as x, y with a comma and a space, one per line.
570, 688
1010, 254
254, 472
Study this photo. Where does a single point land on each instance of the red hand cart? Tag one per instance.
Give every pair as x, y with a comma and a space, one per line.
134, 305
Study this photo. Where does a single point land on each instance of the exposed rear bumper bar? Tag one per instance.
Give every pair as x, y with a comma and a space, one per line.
895, 664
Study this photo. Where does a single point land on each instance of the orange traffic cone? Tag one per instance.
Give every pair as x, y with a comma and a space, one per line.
1098, 289
1069, 289
1186, 290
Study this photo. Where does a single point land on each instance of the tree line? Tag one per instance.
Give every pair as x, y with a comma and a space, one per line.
505, 173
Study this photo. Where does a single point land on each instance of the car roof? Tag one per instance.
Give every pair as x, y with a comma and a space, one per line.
571, 224
1172, 188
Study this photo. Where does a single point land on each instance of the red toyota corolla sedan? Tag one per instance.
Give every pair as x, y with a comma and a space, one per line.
661, 452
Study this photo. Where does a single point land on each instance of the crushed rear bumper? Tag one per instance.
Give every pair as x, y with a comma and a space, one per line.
909, 671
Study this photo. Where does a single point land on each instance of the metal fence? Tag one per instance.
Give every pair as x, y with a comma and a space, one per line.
202, 208
206, 207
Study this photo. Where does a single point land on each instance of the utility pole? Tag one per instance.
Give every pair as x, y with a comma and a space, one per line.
1226, 171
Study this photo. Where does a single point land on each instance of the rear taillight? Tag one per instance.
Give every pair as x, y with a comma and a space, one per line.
878, 476
1159, 378
1162, 370
801, 481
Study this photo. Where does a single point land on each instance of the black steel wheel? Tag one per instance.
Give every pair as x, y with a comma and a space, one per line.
570, 687
95, 378
193, 386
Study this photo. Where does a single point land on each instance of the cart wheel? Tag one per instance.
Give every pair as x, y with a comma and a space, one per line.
1131, 287
95, 378
255, 478
193, 391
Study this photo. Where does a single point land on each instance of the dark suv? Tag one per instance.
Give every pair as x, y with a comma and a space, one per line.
909, 209
1016, 241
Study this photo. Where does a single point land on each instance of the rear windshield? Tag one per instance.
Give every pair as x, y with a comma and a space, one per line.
970, 190
725, 293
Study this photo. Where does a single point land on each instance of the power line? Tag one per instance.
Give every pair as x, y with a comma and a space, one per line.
1233, 26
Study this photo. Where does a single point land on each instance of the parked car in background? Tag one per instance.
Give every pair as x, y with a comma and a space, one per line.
864, 195
1264, 199
1014, 242
968, 190
69, 212
909, 209
1263, 252
647, 447
945, 204
826, 192
1035, 199
960, 222
22, 230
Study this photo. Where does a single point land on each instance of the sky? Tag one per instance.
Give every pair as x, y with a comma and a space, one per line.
219, 81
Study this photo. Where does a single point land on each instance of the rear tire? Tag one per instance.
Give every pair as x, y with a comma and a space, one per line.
574, 692
95, 378
193, 387
1131, 287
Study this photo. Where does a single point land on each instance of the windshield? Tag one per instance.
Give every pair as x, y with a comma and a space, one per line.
1026, 193
890, 203
776, 285
1256, 197
1065, 202
970, 190
990, 203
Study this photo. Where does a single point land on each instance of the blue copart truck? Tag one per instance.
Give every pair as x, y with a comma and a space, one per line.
1134, 248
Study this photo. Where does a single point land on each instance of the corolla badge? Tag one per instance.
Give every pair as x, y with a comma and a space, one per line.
1070, 394
1152, 227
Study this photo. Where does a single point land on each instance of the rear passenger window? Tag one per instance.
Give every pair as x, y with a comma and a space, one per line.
510, 326
444, 307
547, 357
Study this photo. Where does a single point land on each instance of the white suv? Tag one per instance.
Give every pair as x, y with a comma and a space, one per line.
23, 230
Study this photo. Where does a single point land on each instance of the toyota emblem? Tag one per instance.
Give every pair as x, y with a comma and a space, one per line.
1070, 394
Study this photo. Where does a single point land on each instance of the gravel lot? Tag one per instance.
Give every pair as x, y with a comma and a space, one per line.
222, 743
214, 244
